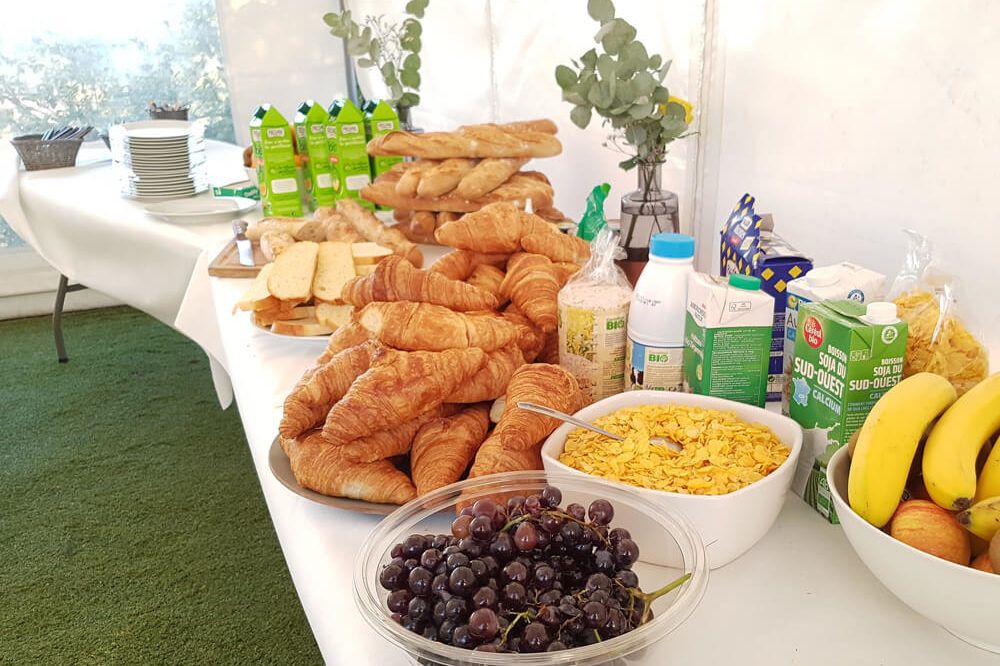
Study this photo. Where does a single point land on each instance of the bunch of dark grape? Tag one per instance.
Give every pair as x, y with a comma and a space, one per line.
526, 577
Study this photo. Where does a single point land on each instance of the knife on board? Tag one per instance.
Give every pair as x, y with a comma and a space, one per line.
243, 246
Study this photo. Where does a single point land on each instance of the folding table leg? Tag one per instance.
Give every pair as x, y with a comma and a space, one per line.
64, 288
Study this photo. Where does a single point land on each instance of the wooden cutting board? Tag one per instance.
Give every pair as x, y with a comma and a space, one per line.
227, 263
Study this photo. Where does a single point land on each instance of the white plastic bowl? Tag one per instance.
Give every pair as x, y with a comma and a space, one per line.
963, 600
729, 524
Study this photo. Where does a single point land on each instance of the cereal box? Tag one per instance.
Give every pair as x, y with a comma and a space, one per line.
750, 246
843, 280
847, 355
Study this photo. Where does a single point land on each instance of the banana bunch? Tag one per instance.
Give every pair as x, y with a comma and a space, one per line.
888, 440
949, 462
982, 518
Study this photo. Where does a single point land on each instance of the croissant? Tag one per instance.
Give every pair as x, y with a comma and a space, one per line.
399, 386
486, 277
494, 458
324, 469
531, 340
543, 384
444, 447
408, 182
394, 441
549, 352
557, 247
491, 381
369, 226
318, 391
424, 327
458, 265
395, 279
343, 338
533, 283
488, 175
497, 227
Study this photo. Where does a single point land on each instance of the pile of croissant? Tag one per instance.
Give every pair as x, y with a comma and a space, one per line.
399, 403
462, 171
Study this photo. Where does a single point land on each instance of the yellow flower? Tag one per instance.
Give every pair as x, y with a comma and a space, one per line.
688, 112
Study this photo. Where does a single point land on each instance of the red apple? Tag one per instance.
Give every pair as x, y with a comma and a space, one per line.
927, 527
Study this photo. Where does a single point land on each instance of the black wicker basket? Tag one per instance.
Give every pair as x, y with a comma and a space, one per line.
37, 153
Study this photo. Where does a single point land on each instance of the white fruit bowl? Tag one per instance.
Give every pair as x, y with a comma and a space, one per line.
963, 600
729, 524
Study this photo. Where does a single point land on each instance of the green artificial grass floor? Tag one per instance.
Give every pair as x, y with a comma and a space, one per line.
132, 526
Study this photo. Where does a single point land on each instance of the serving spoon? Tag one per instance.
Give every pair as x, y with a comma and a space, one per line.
562, 416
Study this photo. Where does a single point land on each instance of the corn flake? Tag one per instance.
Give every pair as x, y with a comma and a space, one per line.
719, 452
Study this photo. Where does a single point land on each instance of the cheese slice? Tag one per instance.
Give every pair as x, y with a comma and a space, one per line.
334, 268
291, 278
369, 253
334, 316
257, 294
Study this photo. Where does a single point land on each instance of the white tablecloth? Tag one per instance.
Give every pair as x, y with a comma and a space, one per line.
801, 596
76, 220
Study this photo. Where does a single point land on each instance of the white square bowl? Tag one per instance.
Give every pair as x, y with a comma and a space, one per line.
729, 524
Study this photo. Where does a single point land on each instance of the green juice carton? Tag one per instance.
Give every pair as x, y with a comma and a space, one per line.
346, 143
271, 139
847, 355
310, 134
381, 119
727, 338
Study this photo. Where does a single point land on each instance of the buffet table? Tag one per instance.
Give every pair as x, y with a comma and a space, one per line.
800, 596
78, 222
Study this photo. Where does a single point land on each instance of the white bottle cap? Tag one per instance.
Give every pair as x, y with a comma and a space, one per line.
881, 313
822, 277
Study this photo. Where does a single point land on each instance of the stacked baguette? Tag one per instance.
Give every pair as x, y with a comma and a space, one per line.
462, 171
398, 404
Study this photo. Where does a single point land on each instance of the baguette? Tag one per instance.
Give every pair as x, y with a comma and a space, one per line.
334, 267
470, 141
300, 328
286, 224
371, 228
444, 177
291, 278
339, 229
313, 230
421, 226
488, 175
539, 125
273, 243
407, 185
518, 189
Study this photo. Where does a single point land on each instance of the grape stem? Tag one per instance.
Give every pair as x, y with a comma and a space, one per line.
523, 614
648, 598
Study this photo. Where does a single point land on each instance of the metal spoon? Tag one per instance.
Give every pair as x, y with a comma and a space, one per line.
556, 414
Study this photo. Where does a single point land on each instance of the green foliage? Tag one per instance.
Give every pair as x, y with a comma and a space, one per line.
54, 81
624, 85
393, 48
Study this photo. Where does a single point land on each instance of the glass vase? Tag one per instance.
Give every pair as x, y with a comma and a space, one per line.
646, 211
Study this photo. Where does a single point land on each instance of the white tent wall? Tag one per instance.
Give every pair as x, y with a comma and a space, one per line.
278, 52
853, 120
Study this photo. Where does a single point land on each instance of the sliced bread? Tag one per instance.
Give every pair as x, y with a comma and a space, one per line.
334, 316
257, 294
369, 253
334, 267
291, 278
300, 327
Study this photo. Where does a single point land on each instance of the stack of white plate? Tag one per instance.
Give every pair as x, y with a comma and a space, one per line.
159, 159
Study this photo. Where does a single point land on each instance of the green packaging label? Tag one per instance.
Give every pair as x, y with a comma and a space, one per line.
346, 143
727, 340
271, 139
382, 119
843, 365
318, 171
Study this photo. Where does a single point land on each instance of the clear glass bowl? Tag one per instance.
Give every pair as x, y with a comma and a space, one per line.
651, 526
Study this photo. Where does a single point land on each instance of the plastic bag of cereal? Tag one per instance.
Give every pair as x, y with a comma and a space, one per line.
939, 340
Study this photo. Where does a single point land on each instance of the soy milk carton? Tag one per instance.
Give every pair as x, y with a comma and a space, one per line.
274, 153
381, 119
847, 355
727, 338
310, 134
843, 280
347, 142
